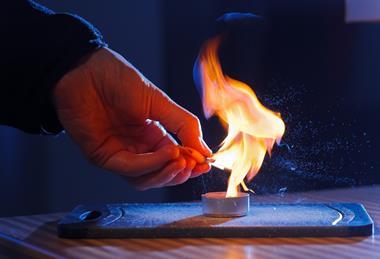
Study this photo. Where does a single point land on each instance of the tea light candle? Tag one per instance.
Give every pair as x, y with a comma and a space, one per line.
216, 204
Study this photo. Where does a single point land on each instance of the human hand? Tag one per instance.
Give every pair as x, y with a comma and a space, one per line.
118, 118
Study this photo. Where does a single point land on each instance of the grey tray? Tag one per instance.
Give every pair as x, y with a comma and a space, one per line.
186, 220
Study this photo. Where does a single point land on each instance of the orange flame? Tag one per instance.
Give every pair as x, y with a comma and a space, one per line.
252, 128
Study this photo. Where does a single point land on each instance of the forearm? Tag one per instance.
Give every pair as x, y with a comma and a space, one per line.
39, 47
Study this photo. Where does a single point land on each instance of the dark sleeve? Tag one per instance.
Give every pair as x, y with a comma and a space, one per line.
38, 47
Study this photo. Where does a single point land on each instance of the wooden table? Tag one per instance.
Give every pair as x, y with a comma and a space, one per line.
36, 236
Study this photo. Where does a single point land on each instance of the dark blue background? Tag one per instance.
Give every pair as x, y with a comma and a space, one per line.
303, 60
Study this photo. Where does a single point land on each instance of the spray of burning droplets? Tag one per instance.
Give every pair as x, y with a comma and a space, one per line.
252, 128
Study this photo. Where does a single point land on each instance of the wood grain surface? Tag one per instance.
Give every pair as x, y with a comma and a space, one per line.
35, 236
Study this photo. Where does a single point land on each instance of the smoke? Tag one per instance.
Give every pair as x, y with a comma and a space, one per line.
314, 153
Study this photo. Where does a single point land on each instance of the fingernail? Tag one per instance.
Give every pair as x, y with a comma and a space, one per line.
181, 163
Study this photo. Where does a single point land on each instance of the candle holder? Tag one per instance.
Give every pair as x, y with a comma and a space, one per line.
216, 204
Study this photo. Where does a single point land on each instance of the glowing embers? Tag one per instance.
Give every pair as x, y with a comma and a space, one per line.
252, 128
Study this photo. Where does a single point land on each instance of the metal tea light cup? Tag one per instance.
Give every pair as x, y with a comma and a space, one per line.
215, 204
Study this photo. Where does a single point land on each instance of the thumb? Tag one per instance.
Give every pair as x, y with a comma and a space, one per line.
178, 120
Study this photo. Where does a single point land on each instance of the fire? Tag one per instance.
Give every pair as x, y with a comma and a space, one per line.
252, 128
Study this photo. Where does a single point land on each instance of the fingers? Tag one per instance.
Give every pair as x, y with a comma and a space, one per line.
198, 157
135, 165
161, 178
200, 169
184, 175
174, 173
178, 120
